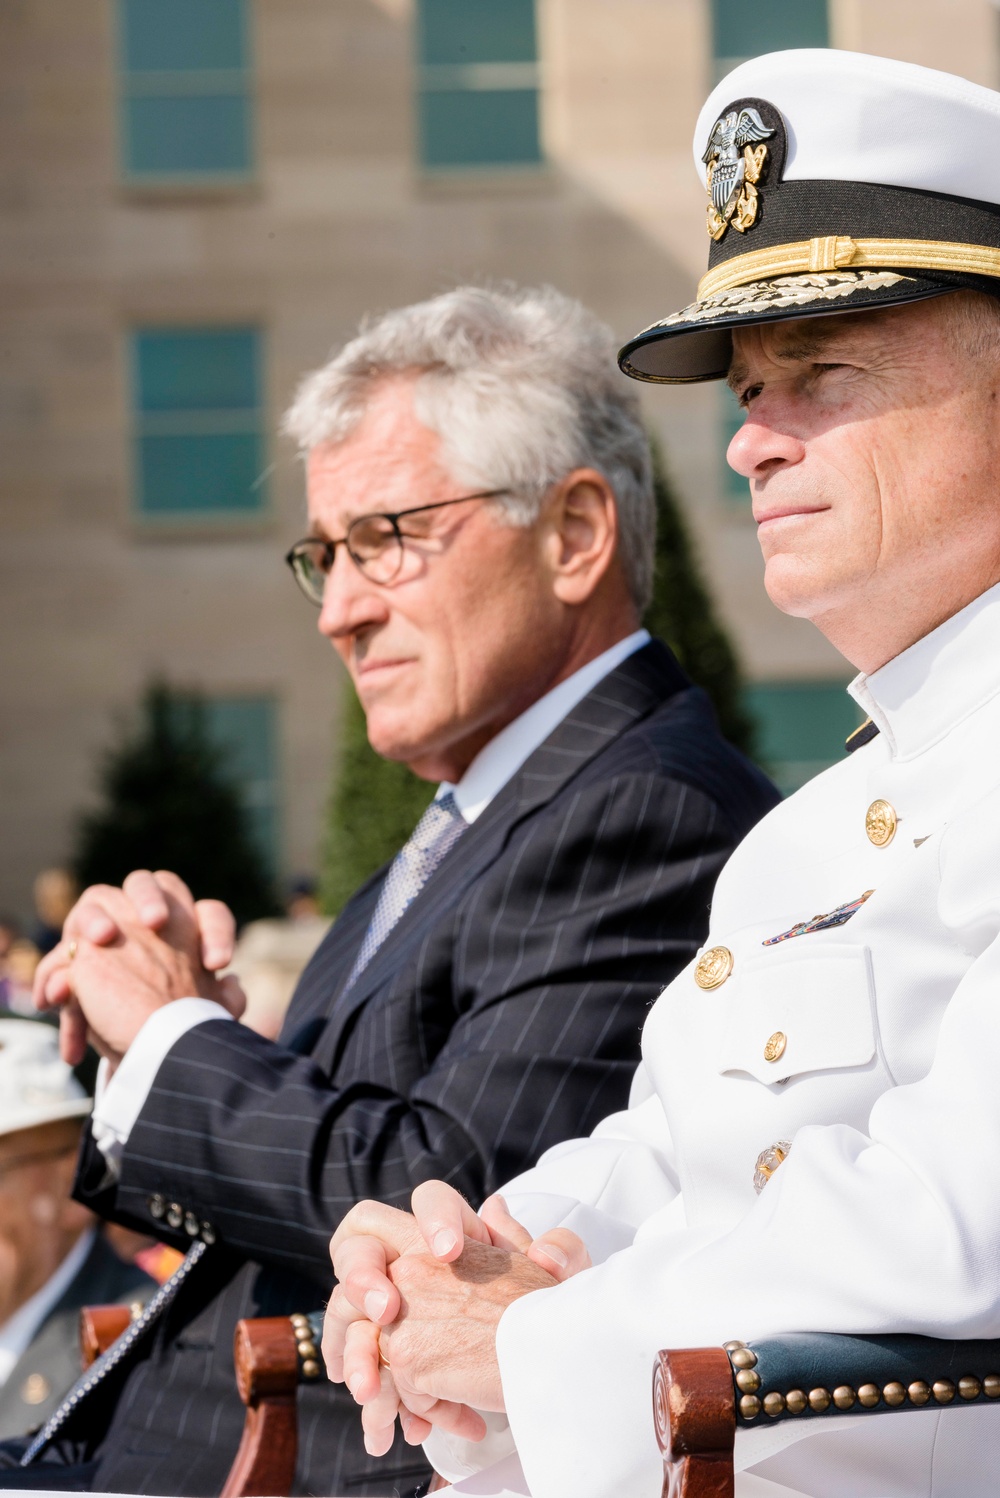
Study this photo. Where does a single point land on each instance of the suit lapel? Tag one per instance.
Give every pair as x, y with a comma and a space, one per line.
632, 691
328, 968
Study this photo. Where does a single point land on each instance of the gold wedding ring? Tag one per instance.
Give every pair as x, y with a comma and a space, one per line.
383, 1361
71, 950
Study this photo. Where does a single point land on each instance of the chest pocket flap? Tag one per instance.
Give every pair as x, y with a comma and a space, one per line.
813, 1004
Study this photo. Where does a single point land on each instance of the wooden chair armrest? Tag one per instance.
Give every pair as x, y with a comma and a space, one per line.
265, 1352
102, 1325
695, 1417
701, 1395
273, 1355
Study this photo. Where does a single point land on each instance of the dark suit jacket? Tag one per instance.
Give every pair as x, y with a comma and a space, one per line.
52, 1360
501, 1015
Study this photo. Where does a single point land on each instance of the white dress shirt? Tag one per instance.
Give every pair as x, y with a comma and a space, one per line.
120, 1100
18, 1331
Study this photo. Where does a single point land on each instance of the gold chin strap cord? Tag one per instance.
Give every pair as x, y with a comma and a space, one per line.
838, 252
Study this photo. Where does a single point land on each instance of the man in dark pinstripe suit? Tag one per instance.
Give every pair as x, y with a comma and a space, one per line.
481, 545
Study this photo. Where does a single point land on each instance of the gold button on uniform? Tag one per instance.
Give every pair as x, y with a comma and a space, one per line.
880, 823
35, 1389
775, 1047
714, 967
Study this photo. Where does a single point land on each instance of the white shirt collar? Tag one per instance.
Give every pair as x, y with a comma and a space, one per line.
924, 692
504, 755
18, 1331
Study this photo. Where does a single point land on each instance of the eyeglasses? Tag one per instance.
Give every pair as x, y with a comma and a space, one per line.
374, 544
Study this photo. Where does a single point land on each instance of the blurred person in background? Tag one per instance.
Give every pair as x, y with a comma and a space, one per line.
9, 932
271, 955
302, 905
55, 891
480, 557
53, 1260
17, 975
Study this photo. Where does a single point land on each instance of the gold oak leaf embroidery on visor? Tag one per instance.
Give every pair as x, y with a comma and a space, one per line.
783, 291
838, 917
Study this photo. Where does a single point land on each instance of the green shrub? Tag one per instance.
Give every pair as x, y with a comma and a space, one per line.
374, 806
683, 615
170, 802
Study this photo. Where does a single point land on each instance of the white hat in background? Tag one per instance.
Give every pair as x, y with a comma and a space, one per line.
36, 1085
835, 182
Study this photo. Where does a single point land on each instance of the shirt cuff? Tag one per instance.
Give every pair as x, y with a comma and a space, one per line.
119, 1102
455, 1458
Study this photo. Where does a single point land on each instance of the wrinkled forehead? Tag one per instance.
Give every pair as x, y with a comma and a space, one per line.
807, 339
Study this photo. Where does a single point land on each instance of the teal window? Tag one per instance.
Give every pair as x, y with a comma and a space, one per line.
477, 103
199, 449
185, 91
801, 728
740, 31
735, 487
246, 731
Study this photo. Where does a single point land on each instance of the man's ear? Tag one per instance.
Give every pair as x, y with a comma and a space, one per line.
582, 534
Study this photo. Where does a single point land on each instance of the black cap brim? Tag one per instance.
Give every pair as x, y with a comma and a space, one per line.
696, 344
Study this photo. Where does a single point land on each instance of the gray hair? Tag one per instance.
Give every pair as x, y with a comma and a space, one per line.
521, 385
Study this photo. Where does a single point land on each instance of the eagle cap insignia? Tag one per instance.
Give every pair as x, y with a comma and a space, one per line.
735, 159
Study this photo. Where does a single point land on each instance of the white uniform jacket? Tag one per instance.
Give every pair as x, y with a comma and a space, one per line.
885, 1215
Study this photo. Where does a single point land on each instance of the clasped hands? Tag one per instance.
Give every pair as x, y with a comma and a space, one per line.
411, 1324
427, 1290
125, 953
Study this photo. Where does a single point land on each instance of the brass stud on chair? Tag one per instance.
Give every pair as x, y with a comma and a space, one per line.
943, 1390
307, 1350
732, 1346
819, 1400
796, 1401
310, 1368
991, 1386
844, 1397
747, 1381
919, 1391
870, 1394
774, 1404
969, 1388
743, 1358
894, 1394
749, 1406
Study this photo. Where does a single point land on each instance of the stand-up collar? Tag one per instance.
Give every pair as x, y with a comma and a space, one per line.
923, 693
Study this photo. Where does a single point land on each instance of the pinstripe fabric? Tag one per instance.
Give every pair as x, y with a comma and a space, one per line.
501, 1015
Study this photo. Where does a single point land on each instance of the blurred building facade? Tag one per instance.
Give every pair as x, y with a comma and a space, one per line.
199, 199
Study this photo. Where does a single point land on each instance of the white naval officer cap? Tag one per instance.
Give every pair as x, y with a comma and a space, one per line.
36, 1085
835, 182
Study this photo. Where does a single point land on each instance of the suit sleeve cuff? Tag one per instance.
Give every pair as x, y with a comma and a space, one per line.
120, 1101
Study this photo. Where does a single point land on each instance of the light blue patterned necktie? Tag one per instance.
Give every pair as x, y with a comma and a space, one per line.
108, 1361
440, 827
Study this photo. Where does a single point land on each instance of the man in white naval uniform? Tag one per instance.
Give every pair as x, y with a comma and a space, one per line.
813, 1134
